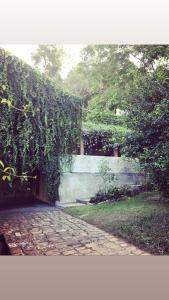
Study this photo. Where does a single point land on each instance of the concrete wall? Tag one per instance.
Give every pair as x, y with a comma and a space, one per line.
83, 179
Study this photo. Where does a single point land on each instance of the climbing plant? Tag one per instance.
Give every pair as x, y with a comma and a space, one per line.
109, 136
40, 124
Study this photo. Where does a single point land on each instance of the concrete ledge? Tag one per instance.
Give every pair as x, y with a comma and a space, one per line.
67, 204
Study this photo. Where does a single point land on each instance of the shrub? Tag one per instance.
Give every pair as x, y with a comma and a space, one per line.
117, 193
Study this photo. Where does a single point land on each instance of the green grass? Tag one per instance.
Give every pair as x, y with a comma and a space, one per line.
141, 220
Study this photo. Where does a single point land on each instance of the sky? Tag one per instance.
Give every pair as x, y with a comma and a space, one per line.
24, 51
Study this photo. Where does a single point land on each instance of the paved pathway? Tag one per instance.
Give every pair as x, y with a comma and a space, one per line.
45, 230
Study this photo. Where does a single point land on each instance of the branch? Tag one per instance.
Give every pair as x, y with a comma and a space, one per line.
18, 176
94, 94
20, 109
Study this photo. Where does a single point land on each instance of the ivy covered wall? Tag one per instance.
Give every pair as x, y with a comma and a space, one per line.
40, 125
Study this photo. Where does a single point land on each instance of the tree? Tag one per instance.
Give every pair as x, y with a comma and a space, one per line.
103, 72
99, 79
49, 59
148, 115
134, 78
79, 84
150, 56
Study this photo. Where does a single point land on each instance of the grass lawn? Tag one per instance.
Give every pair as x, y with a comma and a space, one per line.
141, 220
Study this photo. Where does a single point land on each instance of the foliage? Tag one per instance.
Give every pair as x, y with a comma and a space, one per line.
107, 176
8, 172
102, 72
100, 80
49, 59
110, 190
47, 132
109, 135
114, 193
148, 120
150, 56
78, 84
133, 78
99, 111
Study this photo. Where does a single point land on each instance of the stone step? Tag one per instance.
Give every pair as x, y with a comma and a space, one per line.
85, 201
67, 204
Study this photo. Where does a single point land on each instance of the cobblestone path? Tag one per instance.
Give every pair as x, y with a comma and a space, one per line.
50, 231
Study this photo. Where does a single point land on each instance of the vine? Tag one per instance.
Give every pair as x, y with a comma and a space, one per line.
44, 136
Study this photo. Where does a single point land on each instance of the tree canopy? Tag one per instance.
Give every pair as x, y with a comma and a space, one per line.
49, 59
101, 79
101, 73
148, 114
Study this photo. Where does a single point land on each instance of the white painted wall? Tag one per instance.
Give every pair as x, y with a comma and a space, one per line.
84, 179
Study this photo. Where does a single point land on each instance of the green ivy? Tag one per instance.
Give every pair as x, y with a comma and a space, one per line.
43, 128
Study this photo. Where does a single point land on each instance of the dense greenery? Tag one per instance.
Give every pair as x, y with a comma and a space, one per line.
148, 115
134, 79
46, 132
109, 136
103, 73
100, 80
141, 220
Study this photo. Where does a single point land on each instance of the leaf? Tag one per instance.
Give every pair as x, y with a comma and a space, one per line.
4, 177
46, 120
25, 178
2, 164
6, 101
3, 87
9, 103
9, 169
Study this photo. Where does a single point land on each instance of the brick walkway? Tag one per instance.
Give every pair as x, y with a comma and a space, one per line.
45, 230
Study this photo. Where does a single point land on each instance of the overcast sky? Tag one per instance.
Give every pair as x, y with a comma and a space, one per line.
24, 52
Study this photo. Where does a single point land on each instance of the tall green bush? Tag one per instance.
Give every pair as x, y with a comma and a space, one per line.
148, 120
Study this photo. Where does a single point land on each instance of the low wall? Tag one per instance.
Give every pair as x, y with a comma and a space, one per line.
84, 179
